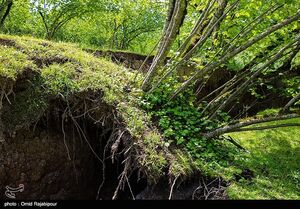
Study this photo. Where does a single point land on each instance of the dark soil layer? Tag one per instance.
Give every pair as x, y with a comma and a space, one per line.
38, 160
59, 157
196, 188
55, 162
129, 60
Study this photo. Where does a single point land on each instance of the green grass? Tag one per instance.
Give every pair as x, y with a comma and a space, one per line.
275, 159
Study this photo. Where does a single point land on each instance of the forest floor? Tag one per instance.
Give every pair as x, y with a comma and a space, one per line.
273, 162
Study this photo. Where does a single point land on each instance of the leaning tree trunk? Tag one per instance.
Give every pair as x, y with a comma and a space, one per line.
290, 103
4, 11
238, 125
177, 11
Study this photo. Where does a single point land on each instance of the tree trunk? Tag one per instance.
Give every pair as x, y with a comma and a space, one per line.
178, 15
239, 125
6, 9
290, 103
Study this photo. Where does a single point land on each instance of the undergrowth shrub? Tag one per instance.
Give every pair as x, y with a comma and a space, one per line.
181, 123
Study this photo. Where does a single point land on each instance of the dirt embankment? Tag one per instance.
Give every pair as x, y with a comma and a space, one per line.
63, 157
128, 59
77, 146
247, 104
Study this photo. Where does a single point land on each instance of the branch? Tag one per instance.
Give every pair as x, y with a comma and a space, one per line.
266, 127
232, 141
59, 25
290, 103
44, 21
248, 28
246, 84
197, 27
213, 23
252, 41
238, 125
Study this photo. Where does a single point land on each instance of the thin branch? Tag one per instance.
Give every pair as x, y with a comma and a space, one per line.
231, 140
266, 127
239, 125
246, 84
197, 27
44, 21
248, 28
243, 47
290, 103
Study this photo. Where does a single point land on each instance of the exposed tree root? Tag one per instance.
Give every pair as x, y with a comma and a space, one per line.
214, 189
172, 187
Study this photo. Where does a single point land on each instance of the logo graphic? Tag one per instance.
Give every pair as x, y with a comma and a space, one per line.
11, 191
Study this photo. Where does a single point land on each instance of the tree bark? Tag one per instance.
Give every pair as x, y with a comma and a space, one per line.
197, 30
219, 13
8, 5
166, 44
290, 103
238, 125
266, 127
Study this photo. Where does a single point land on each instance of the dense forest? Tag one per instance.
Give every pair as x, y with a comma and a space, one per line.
149, 99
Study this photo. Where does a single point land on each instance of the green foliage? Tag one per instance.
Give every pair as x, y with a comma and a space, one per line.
293, 87
181, 124
60, 78
13, 62
92, 23
21, 21
55, 14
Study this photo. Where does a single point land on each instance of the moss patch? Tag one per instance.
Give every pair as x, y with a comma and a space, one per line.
13, 62
63, 70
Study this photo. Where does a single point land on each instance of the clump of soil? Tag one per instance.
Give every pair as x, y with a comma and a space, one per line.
129, 60
7, 42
